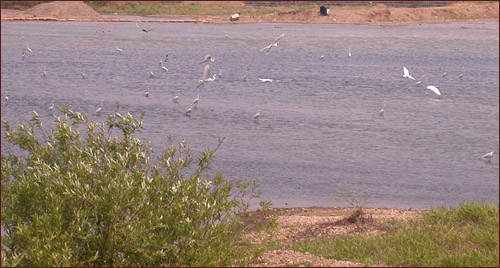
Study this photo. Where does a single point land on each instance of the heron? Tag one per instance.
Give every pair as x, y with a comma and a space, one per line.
206, 76
189, 110
98, 110
119, 49
265, 80
208, 57
51, 107
256, 116
434, 89
176, 98
488, 156
274, 43
406, 74
381, 112
195, 102
350, 54
163, 67
28, 47
6, 98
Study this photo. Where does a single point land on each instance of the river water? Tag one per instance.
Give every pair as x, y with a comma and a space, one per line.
319, 129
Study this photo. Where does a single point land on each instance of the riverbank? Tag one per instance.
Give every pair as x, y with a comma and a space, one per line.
218, 12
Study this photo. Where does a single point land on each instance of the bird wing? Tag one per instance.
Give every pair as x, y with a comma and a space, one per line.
488, 155
435, 90
406, 72
268, 46
206, 72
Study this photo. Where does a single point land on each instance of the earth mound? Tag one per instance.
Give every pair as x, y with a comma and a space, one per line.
63, 10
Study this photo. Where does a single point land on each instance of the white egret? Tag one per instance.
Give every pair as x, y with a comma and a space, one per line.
321, 57
176, 98
163, 67
147, 93
195, 102
208, 57
137, 25
98, 110
350, 54
206, 76
418, 83
151, 74
51, 107
28, 47
444, 74
6, 98
488, 156
274, 43
119, 49
256, 116
245, 77
461, 76
265, 80
406, 74
435, 89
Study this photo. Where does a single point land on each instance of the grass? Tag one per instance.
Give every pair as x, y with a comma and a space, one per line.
217, 8
466, 237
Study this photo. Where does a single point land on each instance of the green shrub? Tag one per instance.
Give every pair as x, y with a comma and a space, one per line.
92, 197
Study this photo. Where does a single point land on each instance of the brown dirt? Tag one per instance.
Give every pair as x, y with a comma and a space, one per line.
297, 224
378, 14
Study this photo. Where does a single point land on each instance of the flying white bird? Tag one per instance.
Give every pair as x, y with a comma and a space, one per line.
461, 76
444, 74
119, 49
6, 98
22, 54
350, 54
265, 80
220, 73
147, 93
84, 75
208, 57
163, 67
98, 110
206, 76
245, 77
226, 35
137, 25
151, 74
274, 43
418, 83
28, 47
44, 71
488, 156
321, 57
406, 74
256, 116
434, 89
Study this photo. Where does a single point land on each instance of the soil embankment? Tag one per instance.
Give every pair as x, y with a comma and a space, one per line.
376, 14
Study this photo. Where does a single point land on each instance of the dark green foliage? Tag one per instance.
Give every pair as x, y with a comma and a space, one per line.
20, 4
86, 196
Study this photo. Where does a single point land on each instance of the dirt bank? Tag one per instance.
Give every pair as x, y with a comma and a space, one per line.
377, 14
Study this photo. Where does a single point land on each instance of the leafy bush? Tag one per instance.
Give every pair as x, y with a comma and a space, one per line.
92, 197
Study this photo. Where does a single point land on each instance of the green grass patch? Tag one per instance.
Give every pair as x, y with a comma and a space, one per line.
466, 236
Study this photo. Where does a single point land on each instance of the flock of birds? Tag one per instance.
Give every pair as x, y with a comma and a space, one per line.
206, 78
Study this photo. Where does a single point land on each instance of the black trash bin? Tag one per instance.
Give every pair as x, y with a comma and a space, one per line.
322, 11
